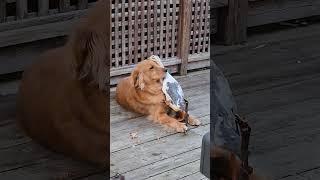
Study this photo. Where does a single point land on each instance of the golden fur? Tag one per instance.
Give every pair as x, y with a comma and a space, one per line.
63, 98
141, 92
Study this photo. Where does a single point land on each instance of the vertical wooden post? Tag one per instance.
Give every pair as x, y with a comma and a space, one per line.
108, 39
64, 5
2, 11
232, 22
22, 9
82, 4
43, 7
184, 34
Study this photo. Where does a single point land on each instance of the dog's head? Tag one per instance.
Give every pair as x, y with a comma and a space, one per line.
89, 44
148, 76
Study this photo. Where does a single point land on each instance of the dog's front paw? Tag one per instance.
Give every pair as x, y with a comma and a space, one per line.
181, 127
193, 121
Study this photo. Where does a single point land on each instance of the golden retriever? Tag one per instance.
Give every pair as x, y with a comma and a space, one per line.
64, 95
141, 92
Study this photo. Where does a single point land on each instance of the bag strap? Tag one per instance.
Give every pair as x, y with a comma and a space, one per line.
245, 131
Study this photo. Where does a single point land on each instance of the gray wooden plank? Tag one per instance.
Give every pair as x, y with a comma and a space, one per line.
277, 130
34, 33
41, 20
168, 147
272, 11
312, 173
190, 168
193, 176
53, 169
288, 160
294, 177
7, 108
11, 135
278, 96
28, 159
146, 131
186, 162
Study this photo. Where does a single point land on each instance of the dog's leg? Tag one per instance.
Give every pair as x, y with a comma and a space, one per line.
193, 121
162, 117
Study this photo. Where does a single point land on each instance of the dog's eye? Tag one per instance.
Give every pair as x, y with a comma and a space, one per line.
151, 67
158, 81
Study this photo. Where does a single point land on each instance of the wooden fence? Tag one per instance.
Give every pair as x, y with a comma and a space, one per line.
24, 21
176, 30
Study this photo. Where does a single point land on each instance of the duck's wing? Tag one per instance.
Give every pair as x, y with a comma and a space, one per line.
173, 91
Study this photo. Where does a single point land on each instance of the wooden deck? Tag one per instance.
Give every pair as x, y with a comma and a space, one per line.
276, 82
157, 153
277, 87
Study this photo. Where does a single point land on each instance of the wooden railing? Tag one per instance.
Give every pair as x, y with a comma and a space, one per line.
176, 30
24, 21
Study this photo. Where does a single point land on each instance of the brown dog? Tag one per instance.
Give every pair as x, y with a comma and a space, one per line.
142, 93
63, 96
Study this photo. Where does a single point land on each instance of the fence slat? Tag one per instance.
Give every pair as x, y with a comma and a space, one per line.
130, 31
195, 25
149, 29
22, 9
206, 27
82, 4
136, 30
173, 36
116, 37
43, 7
201, 34
2, 11
161, 28
142, 31
123, 52
155, 32
167, 27
184, 34
64, 5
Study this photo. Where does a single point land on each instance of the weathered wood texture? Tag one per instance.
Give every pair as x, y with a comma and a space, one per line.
46, 20
184, 38
139, 29
232, 22
276, 87
235, 16
177, 31
265, 12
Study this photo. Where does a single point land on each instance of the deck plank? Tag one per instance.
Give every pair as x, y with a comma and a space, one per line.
155, 151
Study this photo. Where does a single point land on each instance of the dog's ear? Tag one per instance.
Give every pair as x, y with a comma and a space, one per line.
89, 51
138, 79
